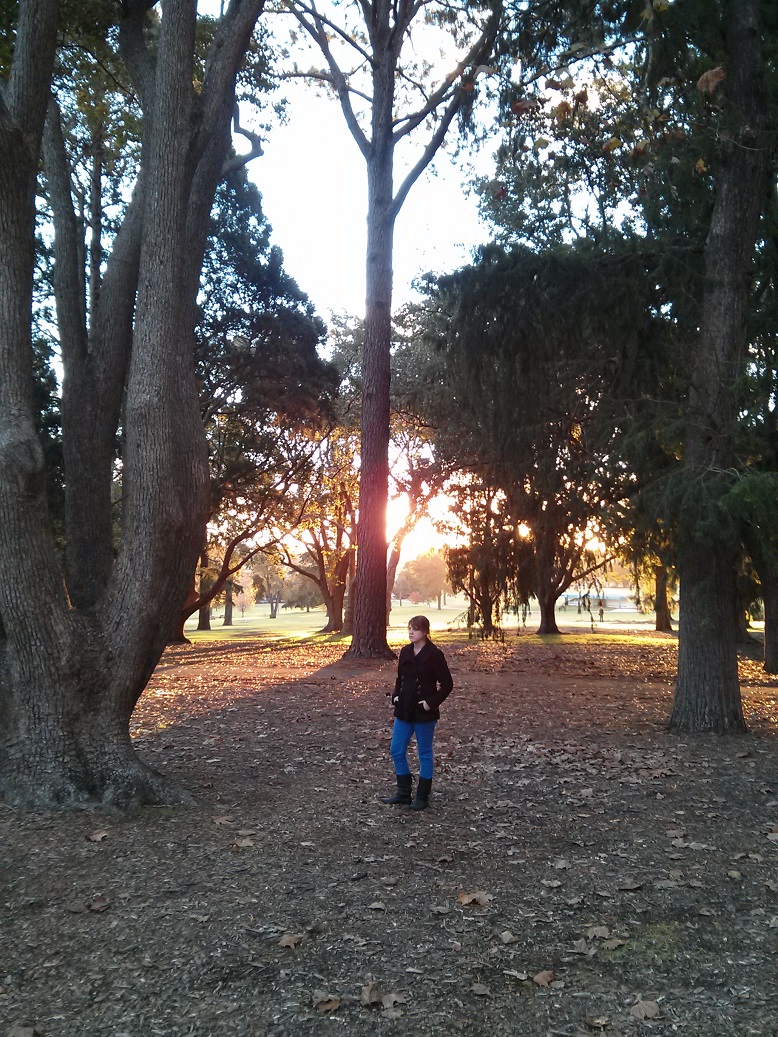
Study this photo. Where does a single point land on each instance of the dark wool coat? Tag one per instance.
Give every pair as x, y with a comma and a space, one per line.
422, 676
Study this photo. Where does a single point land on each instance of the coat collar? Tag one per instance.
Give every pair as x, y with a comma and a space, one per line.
426, 648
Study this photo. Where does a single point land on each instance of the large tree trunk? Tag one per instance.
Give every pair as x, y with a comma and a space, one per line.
369, 637
762, 547
664, 622
770, 602
229, 590
73, 663
206, 583
391, 576
707, 694
547, 604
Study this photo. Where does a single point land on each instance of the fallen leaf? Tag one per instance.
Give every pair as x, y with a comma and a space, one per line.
326, 1002
629, 884
645, 1010
597, 932
377, 905
480, 990
439, 910
543, 979
98, 835
507, 937
24, 1031
392, 999
222, 820
99, 904
599, 1023
291, 940
77, 907
611, 945
480, 897
243, 844
371, 994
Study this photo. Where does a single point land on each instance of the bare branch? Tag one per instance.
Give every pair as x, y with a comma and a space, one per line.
256, 150
321, 20
316, 32
324, 77
428, 154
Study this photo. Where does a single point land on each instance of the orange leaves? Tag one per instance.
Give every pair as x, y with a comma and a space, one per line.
709, 80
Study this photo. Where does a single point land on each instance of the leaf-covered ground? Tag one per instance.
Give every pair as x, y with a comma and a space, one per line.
579, 870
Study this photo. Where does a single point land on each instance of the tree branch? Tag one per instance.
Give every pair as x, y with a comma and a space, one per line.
427, 156
319, 36
69, 288
239, 161
477, 54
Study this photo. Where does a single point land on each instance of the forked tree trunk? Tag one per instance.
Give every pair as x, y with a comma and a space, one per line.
73, 666
707, 694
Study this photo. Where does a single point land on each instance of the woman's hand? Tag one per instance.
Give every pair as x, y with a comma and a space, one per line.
425, 705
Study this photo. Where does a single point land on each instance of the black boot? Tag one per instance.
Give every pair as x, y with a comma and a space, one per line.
404, 793
422, 794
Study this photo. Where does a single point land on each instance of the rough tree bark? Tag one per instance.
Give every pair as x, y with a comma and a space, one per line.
762, 548
707, 693
664, 622
76, 656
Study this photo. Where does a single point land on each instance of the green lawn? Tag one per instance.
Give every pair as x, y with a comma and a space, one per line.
296, 624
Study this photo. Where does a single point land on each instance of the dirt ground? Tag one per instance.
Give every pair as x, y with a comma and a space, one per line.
579, 870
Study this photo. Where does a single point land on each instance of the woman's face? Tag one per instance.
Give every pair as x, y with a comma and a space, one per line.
416, 636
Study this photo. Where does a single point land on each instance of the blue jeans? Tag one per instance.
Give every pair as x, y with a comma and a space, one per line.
402, 732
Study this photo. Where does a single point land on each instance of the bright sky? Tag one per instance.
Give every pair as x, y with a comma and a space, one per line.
312, 179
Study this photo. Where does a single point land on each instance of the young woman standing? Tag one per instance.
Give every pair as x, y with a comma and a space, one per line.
423, 683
